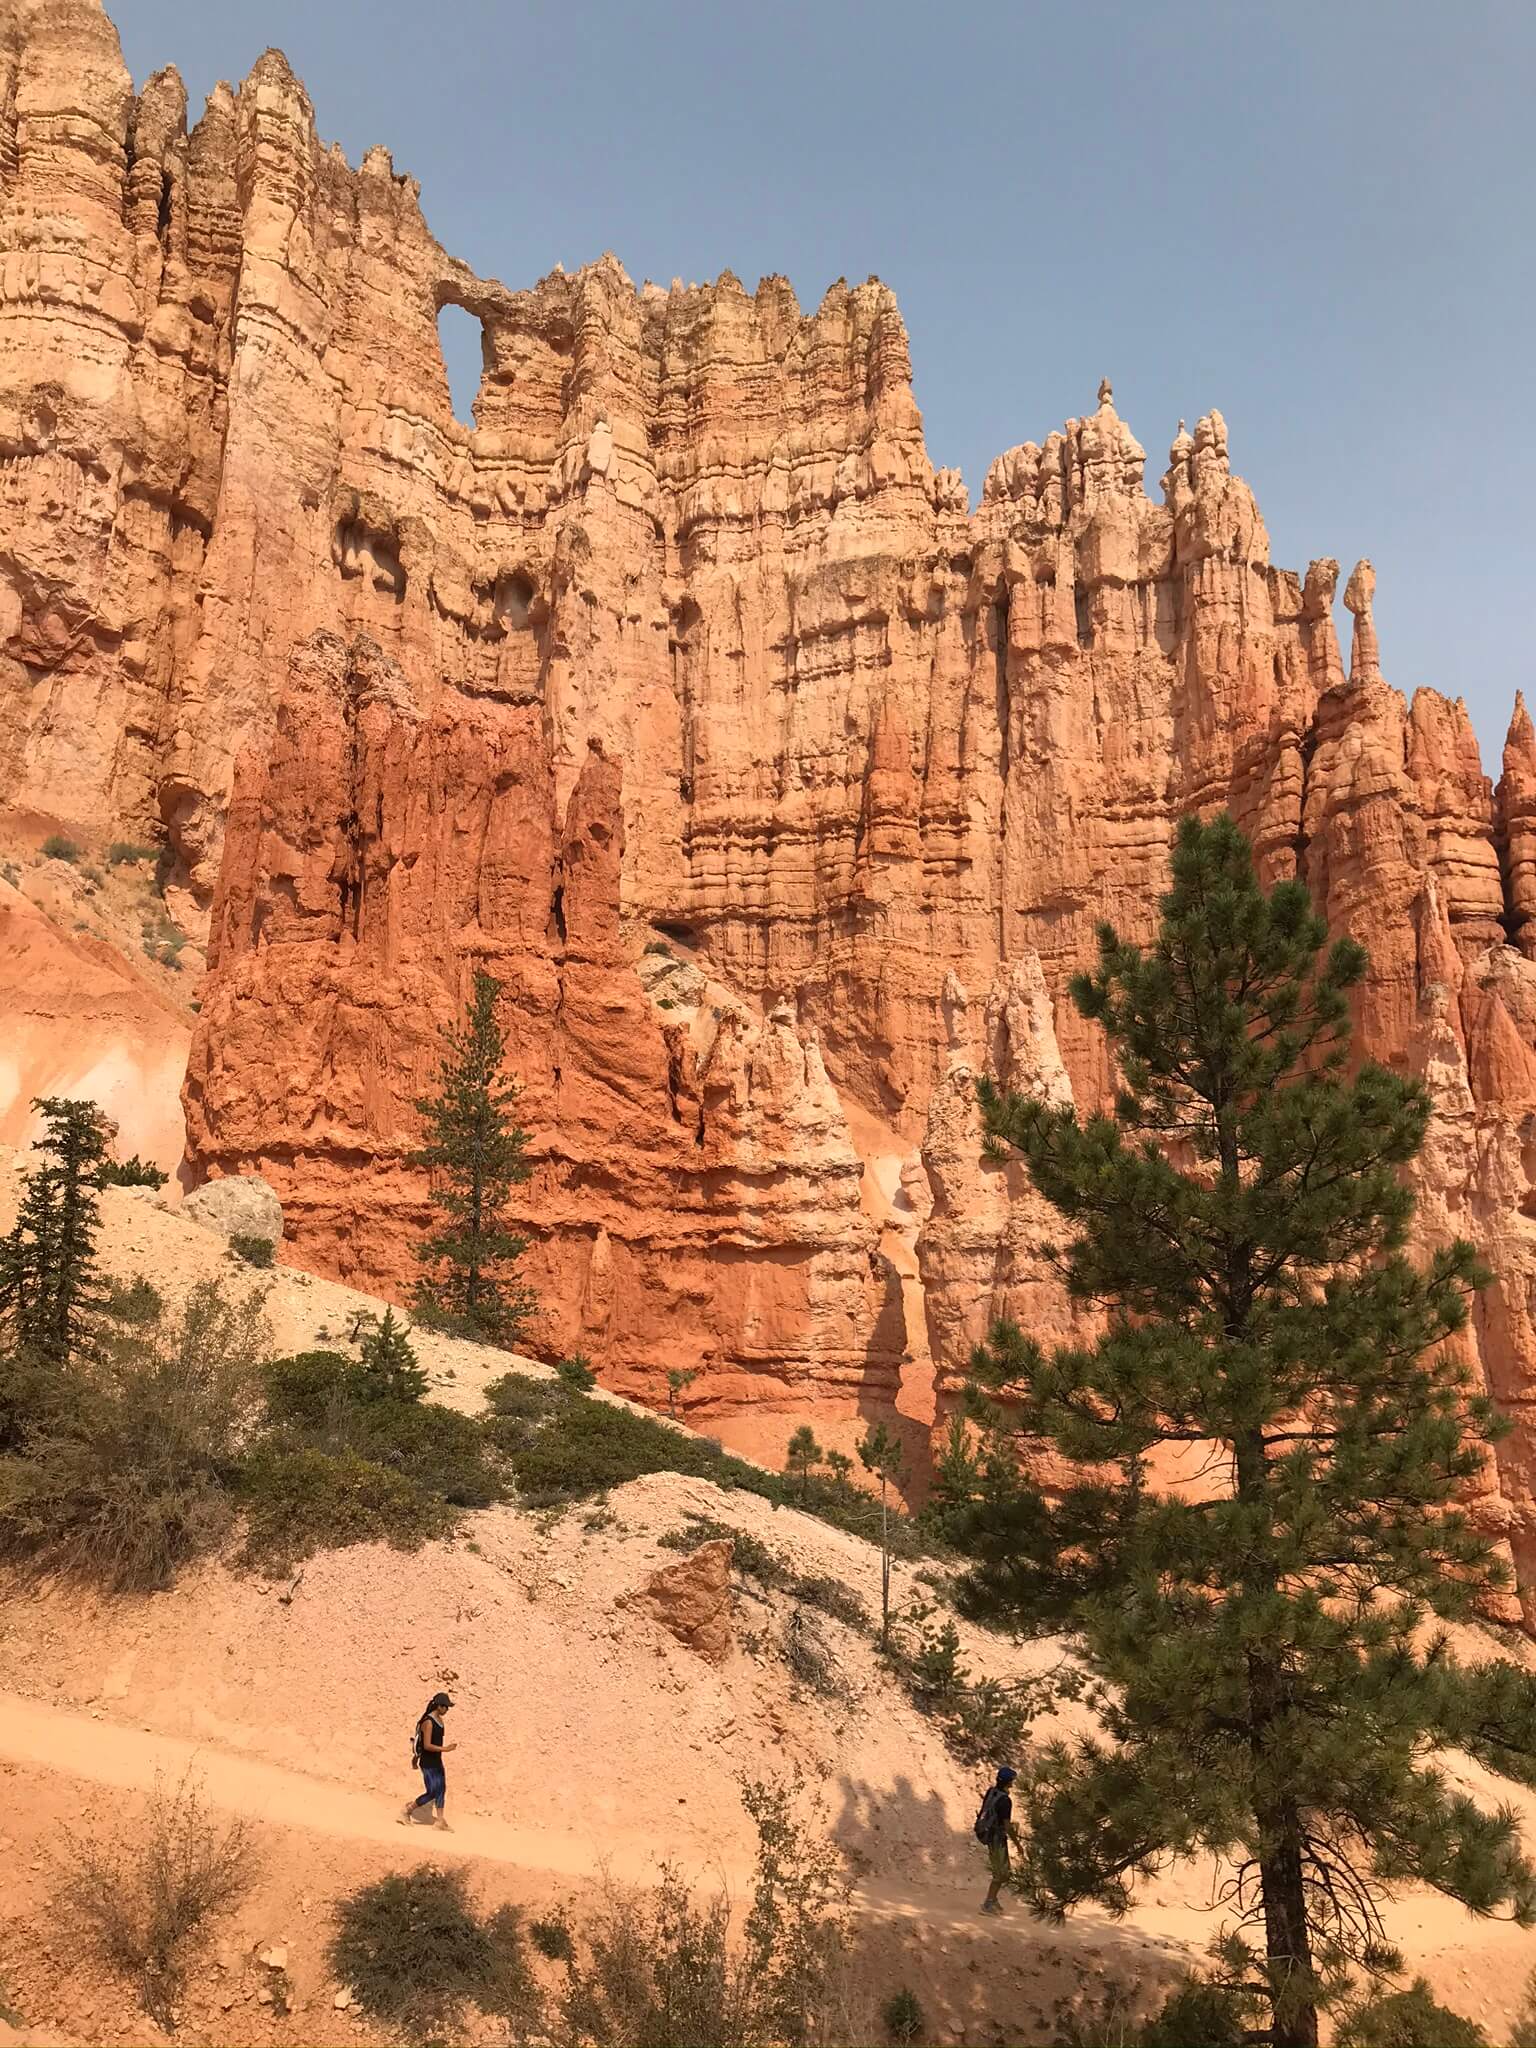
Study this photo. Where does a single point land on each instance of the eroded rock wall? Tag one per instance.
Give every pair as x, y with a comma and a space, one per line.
783, 791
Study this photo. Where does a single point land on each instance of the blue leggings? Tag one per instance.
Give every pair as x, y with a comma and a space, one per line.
436, 1782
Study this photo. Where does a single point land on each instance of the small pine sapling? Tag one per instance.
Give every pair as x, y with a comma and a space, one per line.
802, 1457
880, 1455
678, 1383
390, 1369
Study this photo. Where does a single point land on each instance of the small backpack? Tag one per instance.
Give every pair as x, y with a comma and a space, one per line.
986, 1819
416, 1747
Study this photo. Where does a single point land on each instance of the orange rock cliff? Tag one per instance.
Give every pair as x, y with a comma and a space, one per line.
782, 790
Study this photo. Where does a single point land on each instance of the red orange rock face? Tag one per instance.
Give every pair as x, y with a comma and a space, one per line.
685, 644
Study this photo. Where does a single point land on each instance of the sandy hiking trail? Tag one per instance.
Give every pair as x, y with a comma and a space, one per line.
39, 1736
927, 1931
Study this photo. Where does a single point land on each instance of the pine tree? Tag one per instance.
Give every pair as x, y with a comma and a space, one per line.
474, 1152
802, 1455
956, 1476
1271, 1686
880, 1454
840, 1465
50, 1290
390, 1370
679, 1380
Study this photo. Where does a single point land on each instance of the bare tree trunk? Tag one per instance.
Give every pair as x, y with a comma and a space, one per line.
1286, 1936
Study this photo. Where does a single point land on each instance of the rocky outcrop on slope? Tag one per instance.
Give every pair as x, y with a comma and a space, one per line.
682, 644
692, 1600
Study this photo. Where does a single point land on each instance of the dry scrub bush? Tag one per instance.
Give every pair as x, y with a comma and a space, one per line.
661, 1967
414, 1952
127, 1454
144, 1907
647, 1969
902, 2017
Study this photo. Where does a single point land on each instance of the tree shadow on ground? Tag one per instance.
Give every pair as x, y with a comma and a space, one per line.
919, 1883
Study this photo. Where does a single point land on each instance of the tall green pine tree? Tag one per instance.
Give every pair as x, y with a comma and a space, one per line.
50, 1290
474, 1152
1271, 1684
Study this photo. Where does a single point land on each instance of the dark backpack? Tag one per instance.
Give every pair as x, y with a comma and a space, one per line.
986, 1819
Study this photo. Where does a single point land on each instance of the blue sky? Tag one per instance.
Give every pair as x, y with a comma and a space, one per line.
1318, 217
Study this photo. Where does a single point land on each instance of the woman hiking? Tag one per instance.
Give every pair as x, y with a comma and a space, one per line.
428, 1750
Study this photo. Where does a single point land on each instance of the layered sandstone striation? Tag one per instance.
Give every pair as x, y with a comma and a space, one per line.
694, 1197
783, 791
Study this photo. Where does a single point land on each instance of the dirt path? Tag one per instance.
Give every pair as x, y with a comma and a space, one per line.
1479, 1966
41, 1736
35, 1733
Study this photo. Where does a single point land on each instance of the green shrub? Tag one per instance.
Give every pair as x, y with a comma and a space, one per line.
122, 1462
586, 1447
749, 1554
300, 1500
415, 1953
434, 1447
519, 1397
576, 1373
983, 1722
135, 1302
346, 1464
1195, 2014
122, 853
661, 1966
256, 1251
313, 1390
57, 847
902, 2017
563, 1447
1405, 2019
131, 1173
145, 1905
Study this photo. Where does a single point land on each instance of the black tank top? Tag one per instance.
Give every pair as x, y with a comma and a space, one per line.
434, 1733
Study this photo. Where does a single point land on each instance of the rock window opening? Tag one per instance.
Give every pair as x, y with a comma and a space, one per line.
466, 352
514, 599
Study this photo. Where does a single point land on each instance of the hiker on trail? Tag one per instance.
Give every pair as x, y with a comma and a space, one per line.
992, 1828
427, 1752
